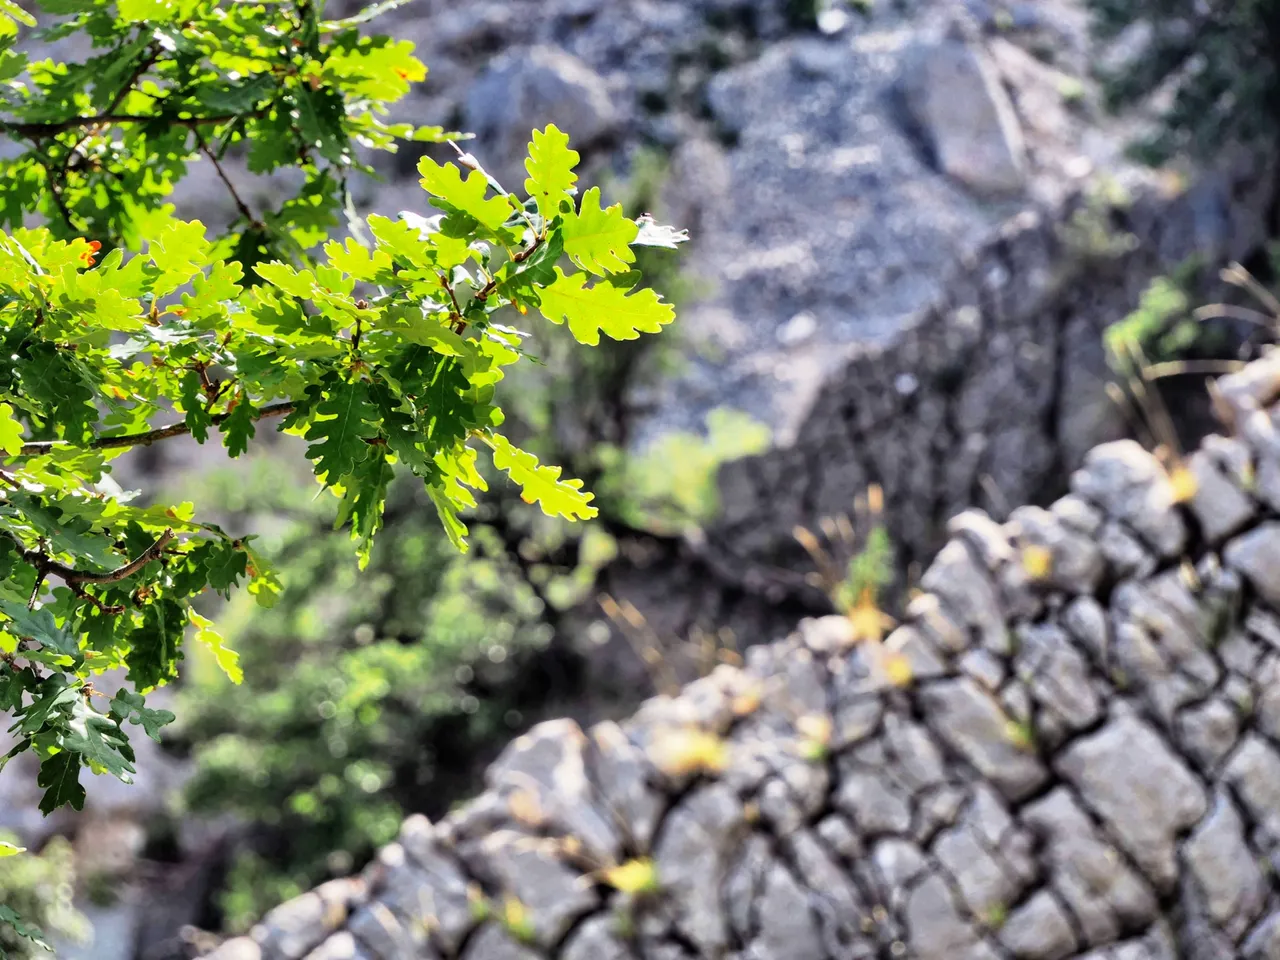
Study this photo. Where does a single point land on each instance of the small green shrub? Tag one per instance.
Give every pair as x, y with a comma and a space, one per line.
672, 485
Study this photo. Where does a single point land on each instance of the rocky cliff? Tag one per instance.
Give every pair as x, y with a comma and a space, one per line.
1085, 762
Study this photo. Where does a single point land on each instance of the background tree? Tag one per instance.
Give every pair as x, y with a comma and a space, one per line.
1216, 64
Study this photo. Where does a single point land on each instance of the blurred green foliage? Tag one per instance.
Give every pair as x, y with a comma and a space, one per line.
672, 484
1161, 327
38, 890
362, 697
1211, 66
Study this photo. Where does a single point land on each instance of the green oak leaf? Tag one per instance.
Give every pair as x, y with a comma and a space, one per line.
153, 656
602, 308
50, 702
26, 931
39, 625
445, 181
654, 234
340, 431
599, 240
129, 706
541, 484
238, 429
100, 741
195, 411
550, 165
10, 431
228, 660
60, 778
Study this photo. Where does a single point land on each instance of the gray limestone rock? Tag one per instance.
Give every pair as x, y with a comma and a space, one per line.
935, 929
971, 721
1225, 870
539, 875
1146, 796
1102, 891
1256, 554
343, 946
549, 766
1253, 770
294, 928
1076, 564
788, 927
1219, 505
963, 586
429, 884
693, 851
528, 88
1130, 486
491, 942
623, 777
1208, 732
1038, 930
596, 939
1057, 675
874, 806
986, 885
954, 94
385, 935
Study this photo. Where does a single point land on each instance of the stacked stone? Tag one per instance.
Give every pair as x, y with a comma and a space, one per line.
1085, 763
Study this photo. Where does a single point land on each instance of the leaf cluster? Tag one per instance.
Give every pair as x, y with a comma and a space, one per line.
382, 352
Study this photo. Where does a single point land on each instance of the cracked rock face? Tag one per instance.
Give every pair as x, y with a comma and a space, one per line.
1086, 769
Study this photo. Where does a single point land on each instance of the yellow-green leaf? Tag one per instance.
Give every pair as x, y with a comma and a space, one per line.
445, 181
161, 11
356, 260
10, 431
550, 165
228, 660
603, 308
598, 240
541, 484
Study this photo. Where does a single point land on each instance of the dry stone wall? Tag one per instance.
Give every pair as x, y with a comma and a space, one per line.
989, 397
1085, 763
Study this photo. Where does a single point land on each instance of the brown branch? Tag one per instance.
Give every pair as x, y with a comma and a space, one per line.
148, 437
106, 609
51, 128
46, 565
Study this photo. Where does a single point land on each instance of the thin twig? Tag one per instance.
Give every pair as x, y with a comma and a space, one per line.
1238, 276
148, 437
55, 191
1174, 368
461, 324
106, 609
119, 573
520, 257
243, 207
1231, 311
